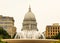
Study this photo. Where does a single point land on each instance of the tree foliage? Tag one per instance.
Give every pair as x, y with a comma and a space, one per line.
2, 41
57, 36
56, 41
54, 37
13, 36
4, 34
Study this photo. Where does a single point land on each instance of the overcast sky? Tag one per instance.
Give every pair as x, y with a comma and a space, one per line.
46, 12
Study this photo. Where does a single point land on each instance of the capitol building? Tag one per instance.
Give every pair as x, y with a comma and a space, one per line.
29, 27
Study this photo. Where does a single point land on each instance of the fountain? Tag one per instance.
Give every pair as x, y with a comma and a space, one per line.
29, 35
29, 29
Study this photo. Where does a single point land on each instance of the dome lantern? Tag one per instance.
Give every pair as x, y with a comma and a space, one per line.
29, 15
29, 8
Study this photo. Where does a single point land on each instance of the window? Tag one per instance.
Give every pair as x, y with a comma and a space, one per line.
53, 30
58, 28
48, 33
51, 33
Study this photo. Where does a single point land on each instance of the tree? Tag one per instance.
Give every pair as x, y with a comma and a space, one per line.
56, 41
2, 41
14, 36
4, 34
54, 37
57, 36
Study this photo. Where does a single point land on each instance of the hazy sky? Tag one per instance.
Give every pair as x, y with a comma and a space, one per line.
45, 11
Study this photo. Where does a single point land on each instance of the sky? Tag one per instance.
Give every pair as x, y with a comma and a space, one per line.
46, 12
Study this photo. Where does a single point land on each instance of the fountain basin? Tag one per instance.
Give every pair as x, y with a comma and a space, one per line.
29, 40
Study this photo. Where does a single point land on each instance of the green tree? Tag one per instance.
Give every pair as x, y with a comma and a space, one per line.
57, 36
56, 41
4, 34
14, 36
54, 37
2, 41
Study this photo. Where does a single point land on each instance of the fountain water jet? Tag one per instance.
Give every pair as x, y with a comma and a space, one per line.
29, 29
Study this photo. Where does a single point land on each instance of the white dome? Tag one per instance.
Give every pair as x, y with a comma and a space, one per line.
29, 15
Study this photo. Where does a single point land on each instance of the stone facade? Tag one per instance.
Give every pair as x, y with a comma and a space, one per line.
8, 24
52, 30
